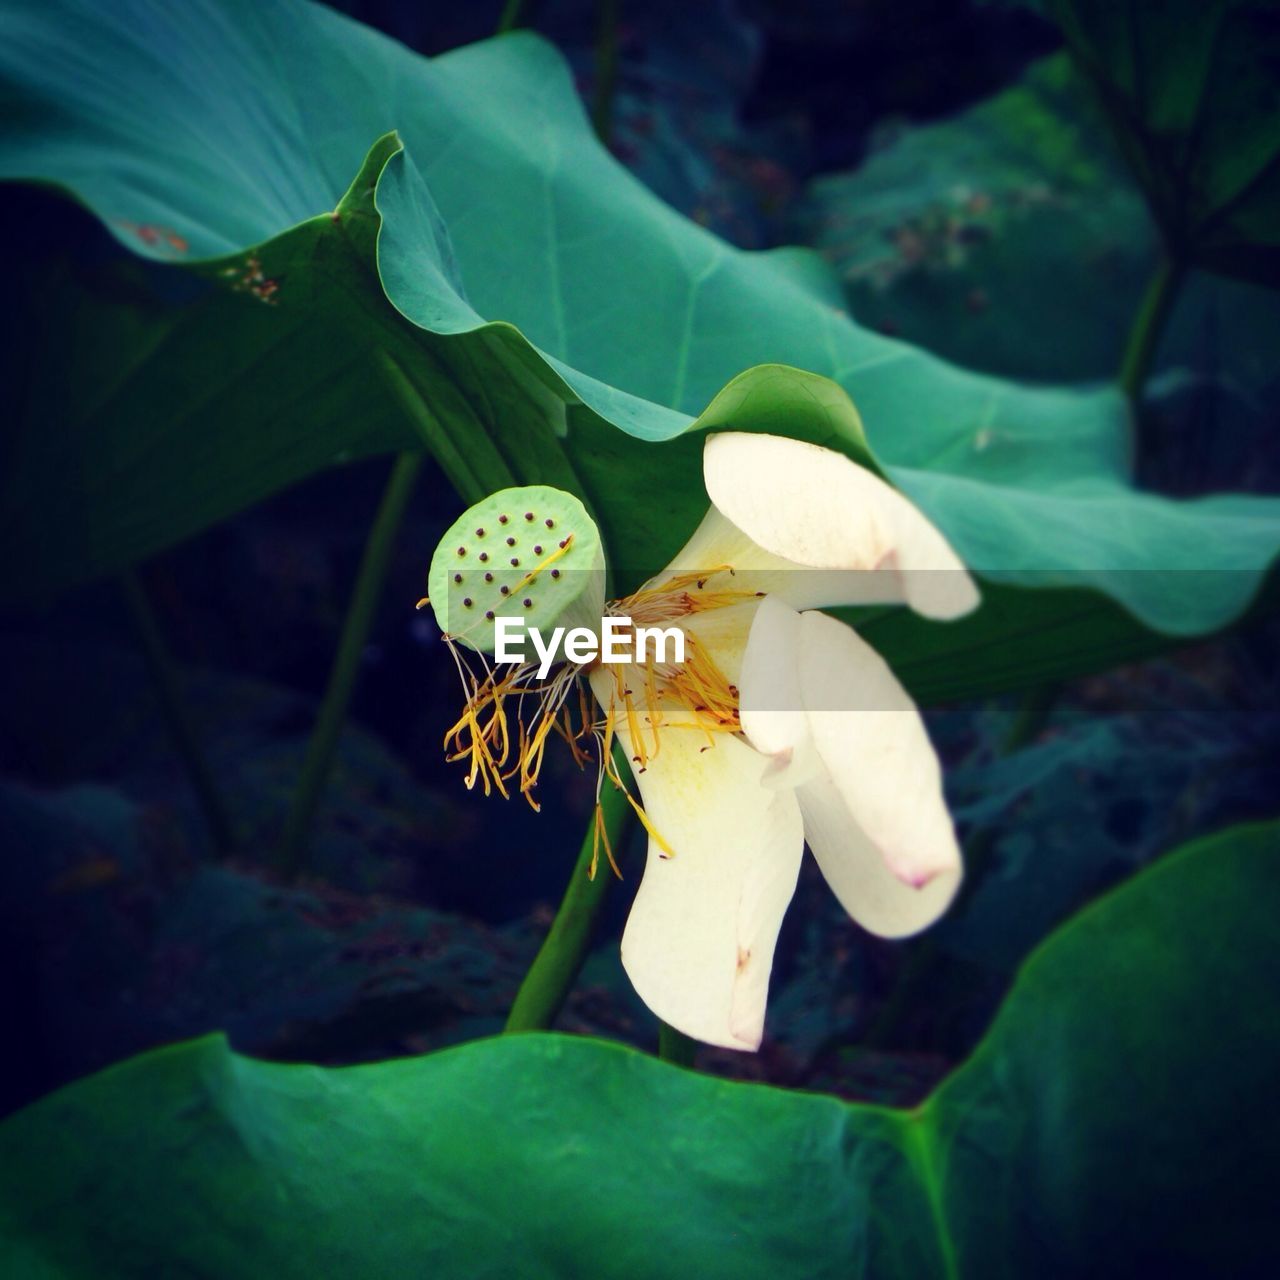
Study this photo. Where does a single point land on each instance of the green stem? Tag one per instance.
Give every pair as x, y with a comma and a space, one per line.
292, 852
674, 1046
1145, 334
510, 17
177, 718
559, 960
606, 70
1148, 326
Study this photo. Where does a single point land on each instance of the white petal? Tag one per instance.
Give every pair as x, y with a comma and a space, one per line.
698, 945
729, 561
880, 902
771, 705
816, 508
717, 543
876, 751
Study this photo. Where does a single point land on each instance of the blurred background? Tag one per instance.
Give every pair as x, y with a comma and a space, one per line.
945, 158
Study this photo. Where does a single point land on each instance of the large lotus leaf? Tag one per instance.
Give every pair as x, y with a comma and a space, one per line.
1192, 92
1117, 1119
549, 320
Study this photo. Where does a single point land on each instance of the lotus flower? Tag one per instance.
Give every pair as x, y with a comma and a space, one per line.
781, 727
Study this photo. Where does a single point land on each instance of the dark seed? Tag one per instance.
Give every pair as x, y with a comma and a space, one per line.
484, 555
488, 577
528, 515
506, 591
511, 542
457, 577
462, 551
503, 519
537, 551
564, 543
555, 573
488, 613
551, 524
479, 533
466, 602
528, 604
515, 560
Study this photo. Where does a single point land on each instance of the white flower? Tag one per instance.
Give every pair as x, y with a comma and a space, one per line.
780, 727
827, 747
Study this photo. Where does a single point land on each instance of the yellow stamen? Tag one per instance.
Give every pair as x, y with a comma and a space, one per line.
495, 754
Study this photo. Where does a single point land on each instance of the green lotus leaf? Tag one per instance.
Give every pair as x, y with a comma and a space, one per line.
1117, 1119
494, 286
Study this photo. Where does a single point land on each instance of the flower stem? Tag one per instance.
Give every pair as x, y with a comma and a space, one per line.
510, 18
1148, 326
674, 1046
606, 70
291, 855
177, 717
559, 960
1145, 334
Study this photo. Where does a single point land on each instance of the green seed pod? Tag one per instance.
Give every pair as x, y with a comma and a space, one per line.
531, 553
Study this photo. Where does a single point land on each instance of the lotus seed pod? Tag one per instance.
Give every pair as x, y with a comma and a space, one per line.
531, 553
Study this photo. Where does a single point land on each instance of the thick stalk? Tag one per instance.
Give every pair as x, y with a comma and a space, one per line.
1144, 339
606, 70
558, 962
674, 1046
292, 853
510, 18
177, 717
1148, 327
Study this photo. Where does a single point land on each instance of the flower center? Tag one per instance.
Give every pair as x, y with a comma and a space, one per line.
510, 712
